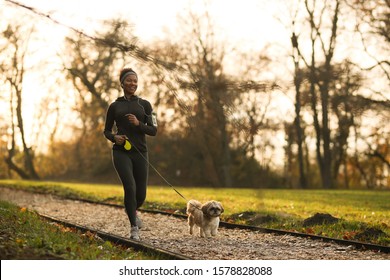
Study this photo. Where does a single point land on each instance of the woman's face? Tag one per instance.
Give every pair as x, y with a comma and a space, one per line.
130, 84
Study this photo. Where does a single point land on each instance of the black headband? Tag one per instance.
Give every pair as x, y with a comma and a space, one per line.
130, 72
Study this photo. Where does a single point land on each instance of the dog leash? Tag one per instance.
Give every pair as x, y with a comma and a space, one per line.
158, 173
162, 177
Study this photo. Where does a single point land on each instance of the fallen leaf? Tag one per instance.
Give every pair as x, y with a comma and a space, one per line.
309, 231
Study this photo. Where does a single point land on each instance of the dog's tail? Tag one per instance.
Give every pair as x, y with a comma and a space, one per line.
193, 205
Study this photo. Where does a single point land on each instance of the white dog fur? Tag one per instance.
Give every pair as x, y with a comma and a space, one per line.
205, 216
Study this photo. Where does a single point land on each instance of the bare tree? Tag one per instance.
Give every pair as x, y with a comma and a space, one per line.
376, 15
373, 26
16, 41
209, 99
298, 79
319, 14
203, 59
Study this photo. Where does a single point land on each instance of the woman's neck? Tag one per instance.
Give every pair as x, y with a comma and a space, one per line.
129, 95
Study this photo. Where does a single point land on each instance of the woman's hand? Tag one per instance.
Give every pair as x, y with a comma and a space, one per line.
132, 119
120, 139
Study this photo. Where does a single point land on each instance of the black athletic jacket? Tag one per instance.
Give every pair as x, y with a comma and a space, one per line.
136, 134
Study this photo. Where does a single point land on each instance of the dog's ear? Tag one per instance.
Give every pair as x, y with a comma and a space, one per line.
205, 207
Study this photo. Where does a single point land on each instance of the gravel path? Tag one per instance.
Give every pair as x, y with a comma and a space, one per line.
172, 233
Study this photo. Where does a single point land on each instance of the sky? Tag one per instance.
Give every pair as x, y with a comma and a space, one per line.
249, 20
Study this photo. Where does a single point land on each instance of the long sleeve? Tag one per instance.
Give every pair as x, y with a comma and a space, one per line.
117, 122
110, 118
148, 126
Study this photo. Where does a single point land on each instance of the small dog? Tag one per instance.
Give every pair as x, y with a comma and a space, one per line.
205, 216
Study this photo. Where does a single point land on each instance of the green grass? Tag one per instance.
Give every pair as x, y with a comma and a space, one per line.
24, 235
359, 211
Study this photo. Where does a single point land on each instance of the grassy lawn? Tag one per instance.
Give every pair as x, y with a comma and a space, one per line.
24, 235
359, 211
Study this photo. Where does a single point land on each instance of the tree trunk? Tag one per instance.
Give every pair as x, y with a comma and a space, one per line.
28, 157
210, 168
14, 167
298, 128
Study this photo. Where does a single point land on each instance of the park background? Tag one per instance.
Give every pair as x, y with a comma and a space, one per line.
260, 94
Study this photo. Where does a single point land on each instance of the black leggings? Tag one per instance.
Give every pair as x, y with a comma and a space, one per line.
132, 169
